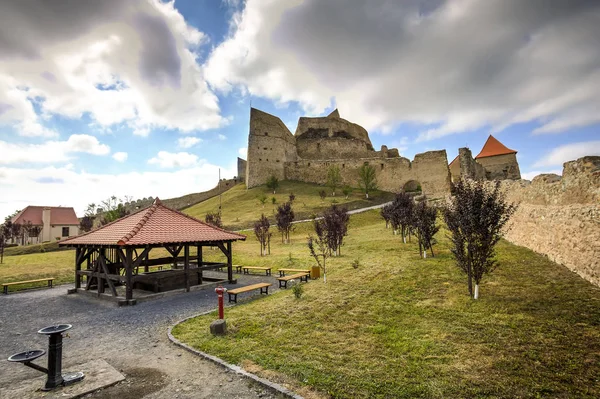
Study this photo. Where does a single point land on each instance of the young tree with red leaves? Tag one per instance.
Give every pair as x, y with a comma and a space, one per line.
261, 231
425, 226
335, 221
285, 217
475, 218
214, 219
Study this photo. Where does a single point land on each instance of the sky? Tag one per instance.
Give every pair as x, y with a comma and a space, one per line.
144, 98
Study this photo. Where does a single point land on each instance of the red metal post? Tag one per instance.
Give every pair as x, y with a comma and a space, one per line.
220, 291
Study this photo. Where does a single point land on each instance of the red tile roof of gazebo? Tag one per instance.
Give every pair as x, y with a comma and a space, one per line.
493, 147
156, 224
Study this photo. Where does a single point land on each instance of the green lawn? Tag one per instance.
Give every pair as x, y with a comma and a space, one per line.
60, 264
400, 326
241, 208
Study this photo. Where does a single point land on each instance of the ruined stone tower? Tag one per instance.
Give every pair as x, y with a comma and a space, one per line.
270, 145
322, 142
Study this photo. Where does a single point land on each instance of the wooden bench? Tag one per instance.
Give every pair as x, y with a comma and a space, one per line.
283, 271
247, 269
6, 285
284, 280
264, 289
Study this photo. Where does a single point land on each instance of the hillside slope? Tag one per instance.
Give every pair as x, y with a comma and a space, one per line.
240, 207
398, 326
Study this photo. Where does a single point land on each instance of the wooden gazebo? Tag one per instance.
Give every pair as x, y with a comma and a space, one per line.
114, 254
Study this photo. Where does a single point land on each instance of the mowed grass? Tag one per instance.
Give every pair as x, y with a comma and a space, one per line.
60, 265
241, 207
403, 327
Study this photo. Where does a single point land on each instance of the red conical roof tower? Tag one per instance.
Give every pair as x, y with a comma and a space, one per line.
493, 147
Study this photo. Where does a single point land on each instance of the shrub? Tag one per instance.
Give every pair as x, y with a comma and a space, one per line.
322, 194
297, 289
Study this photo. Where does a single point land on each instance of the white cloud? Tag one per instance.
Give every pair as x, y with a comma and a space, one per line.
118, 62
120, 156
221, 137
166, 159
48, 185
188, 142
454, 66
534, 173
243, 152
569, 152
51, 151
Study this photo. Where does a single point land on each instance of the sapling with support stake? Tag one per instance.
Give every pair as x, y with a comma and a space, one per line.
318, 247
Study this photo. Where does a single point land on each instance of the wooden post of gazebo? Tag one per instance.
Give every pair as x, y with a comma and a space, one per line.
199, 260
186, 266
229, 263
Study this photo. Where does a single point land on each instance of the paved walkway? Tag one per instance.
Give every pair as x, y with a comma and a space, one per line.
132, 339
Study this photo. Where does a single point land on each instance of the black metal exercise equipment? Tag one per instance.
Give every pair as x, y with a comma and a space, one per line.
54, 371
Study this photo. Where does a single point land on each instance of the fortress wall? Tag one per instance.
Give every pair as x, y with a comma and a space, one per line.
333, 147
430, 169
560, 217
501, 167
270, 145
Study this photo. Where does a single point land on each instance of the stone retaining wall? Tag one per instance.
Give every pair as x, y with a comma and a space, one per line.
560, 216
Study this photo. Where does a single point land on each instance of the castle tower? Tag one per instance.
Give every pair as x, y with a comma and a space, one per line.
499, 161
270, 145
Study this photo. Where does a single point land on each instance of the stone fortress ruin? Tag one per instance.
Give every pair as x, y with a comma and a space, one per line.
558, 216
320, 142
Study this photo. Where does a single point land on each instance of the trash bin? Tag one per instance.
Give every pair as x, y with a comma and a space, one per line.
315, 272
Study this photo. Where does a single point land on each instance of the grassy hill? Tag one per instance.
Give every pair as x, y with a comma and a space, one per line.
241, 208
403, 327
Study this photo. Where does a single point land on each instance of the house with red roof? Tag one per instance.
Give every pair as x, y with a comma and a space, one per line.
54, 222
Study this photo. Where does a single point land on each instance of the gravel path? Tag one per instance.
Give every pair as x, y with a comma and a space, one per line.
132, 339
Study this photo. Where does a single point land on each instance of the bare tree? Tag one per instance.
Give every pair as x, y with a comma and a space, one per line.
367, 179
285, 217
475, 218
261, 230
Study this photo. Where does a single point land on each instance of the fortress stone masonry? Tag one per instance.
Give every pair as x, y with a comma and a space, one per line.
557, 216
321, 142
